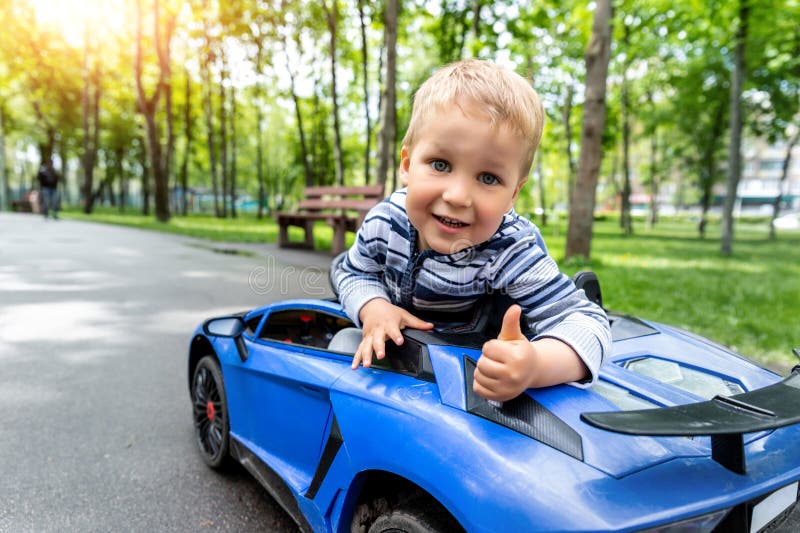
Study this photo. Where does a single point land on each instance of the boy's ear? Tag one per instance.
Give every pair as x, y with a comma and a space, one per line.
405, 162
516, 192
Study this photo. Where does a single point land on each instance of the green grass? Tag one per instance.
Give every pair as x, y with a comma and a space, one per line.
246, 228
750, 301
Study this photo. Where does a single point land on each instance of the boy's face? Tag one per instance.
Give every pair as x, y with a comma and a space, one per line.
462, 175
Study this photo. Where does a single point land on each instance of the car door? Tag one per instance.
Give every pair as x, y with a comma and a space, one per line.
284, 393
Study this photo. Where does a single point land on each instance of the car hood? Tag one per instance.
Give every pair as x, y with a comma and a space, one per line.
554, 413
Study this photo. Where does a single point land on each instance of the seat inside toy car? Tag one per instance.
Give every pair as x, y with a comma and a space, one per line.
345, 340
306, 327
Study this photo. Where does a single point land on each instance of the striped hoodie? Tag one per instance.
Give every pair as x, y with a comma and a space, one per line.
385, 263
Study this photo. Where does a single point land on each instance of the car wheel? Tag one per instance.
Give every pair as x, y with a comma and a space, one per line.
416, 516
211, 426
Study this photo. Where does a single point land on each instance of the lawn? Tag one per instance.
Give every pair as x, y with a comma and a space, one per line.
749, 302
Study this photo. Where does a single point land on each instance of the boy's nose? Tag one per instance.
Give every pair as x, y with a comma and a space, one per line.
458, 192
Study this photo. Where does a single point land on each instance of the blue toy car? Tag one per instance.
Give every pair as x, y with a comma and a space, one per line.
679, 434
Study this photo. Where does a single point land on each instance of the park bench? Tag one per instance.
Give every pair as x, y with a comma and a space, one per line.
342, 208
28, 203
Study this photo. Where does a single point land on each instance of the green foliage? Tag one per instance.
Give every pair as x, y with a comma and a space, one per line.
747, 302
675, 55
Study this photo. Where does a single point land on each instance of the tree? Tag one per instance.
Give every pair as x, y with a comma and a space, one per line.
581, 219
208, 58
735, 146
556, 71
188, 135
287, 29
223, 127
626, 223
365, 81
331, 15
388, 114
90, 105
160, 155
3, 179
259, 28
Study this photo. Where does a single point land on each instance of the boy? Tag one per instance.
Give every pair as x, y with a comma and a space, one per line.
451, 236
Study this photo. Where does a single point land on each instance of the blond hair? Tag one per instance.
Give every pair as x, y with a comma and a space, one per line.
508, 99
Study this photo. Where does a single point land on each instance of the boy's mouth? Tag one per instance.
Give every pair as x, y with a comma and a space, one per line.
450, 222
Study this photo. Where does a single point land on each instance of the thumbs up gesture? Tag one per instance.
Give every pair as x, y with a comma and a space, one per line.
508, 364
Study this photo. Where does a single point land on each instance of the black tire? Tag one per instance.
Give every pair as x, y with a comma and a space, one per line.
210, 413
416, 516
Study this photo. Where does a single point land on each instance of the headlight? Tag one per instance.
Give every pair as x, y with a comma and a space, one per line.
699, 524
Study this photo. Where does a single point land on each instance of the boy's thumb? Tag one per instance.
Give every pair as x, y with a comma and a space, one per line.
511, 329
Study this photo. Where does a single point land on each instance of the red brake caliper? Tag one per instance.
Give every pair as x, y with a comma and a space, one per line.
210, 411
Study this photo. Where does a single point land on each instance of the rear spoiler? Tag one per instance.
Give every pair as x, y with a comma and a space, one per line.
724, 419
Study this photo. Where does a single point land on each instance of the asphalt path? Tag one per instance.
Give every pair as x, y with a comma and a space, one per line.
95, 321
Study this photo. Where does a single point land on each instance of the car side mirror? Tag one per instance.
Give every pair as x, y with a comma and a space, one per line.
229, 327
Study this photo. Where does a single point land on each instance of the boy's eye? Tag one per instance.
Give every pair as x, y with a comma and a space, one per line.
440, 165
488, 179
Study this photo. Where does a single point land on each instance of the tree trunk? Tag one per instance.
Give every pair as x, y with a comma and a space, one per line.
145, 178
4, 188
223, 133
62, 154
233, 151
705, 203
90, 102
388, 129
735, 148
259, 97
159, 155
566, 115
709, 171
318, 141
365, 70
164, 48
188, 136
787, 160
654, 179
581, 219
119, 155
332, 15
208, 111
477, 6
309, 175
625, 221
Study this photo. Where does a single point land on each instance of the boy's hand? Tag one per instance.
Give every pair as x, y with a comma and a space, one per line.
507, 363
381, 320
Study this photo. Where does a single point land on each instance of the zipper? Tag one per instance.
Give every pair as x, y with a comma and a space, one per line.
408, 282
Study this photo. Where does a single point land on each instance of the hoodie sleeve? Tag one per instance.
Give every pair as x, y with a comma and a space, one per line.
359, 277
552, 305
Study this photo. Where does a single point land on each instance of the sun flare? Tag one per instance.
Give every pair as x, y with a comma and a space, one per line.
76, 18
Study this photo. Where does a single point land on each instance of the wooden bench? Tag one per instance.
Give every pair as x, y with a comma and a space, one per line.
28, 203
342, 208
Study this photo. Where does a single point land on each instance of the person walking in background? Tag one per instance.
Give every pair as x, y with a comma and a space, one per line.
48, 188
